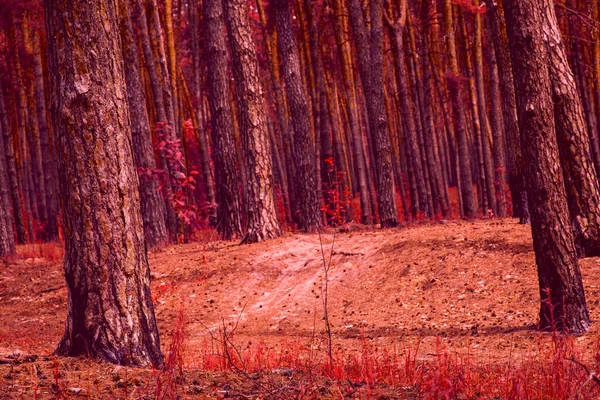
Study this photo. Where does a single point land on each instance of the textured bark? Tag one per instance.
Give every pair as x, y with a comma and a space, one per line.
369, 48
11, 170
7, 239
562, 295
509, 111
307, 201
110, 313
583, 191
595, 136
262, 222
222, 131
152, 204
344, 50
458, 114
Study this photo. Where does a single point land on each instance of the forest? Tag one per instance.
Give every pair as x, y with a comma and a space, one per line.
298, 199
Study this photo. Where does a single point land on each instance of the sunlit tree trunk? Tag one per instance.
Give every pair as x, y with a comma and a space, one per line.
563, 305
110, 314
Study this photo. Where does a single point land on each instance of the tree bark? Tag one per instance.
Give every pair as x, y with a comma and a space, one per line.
151, 202
468, 198
497, 133
7, 239
307, 201
583, 190
509, 111
262, 222
369, 48
222, 131
344, 50
110, 313
11, 170
563, 305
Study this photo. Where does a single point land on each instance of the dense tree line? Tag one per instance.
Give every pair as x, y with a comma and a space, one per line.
252, 116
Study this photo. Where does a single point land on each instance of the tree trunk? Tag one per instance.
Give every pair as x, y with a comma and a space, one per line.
454, 84
307, 202
11, 170
262, 222
344, 50
369, 48
563, 305
486, 133
202, 128
110, 313
497, 132
509, 111
7, 239
583, 191
222, 131
49, 163
415, 167
152, 204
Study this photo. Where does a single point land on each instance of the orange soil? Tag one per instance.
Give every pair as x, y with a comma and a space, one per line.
467, 287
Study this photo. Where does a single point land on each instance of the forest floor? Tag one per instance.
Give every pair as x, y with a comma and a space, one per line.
427, 311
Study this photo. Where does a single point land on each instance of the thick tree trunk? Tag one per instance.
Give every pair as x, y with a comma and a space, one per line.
307, 201
262, 222
151, 202
222, 131
509, 111
454, 84
563, 305
110, 313
583, 190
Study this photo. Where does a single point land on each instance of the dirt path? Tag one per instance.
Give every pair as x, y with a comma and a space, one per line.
465, 286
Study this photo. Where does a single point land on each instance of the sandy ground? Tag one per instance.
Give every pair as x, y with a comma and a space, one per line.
467, 287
